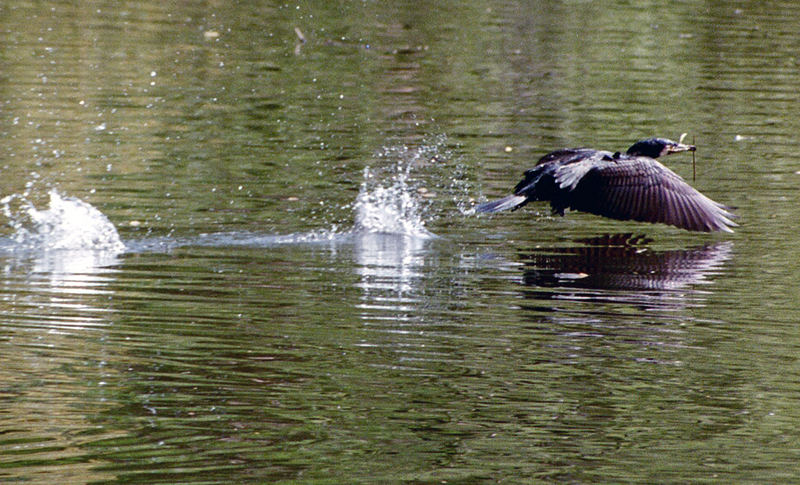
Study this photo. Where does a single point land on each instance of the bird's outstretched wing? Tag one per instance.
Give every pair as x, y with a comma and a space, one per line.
642, 189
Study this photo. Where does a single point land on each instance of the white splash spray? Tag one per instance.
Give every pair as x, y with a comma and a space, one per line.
390, 207
68, 224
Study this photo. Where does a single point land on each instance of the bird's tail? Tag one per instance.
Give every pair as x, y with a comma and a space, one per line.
512, 202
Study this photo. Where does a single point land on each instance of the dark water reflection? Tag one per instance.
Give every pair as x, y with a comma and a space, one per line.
604, 292
622, 269
282, 311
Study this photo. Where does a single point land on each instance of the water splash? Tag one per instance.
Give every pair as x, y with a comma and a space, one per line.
386, 206
393, 201
393, 208
68, 224
390, 203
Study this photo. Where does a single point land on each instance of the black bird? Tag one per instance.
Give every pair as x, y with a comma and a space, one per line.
630, 185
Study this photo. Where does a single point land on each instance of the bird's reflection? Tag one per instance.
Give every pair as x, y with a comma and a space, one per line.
620, 268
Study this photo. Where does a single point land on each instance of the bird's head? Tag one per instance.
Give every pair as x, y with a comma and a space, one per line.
657, 147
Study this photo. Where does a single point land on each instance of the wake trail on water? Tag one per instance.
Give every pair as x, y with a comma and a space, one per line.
388, 208
390, 203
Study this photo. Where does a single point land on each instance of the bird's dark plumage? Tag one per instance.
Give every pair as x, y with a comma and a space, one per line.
625, 186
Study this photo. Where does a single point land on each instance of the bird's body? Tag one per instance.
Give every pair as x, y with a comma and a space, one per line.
627, 186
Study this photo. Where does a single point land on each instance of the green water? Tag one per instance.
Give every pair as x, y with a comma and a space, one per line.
258, 330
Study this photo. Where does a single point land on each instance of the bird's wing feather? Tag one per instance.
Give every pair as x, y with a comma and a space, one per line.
566, 155
574, 168
641, 189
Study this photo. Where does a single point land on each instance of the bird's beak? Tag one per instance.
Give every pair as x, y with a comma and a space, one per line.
680, 147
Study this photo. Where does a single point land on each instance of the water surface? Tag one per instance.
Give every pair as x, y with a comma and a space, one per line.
238, 245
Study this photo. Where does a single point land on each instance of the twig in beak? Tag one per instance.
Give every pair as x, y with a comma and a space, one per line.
301, 40
694, 172
299, 34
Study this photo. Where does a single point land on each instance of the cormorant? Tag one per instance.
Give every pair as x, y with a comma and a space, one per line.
630, 185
